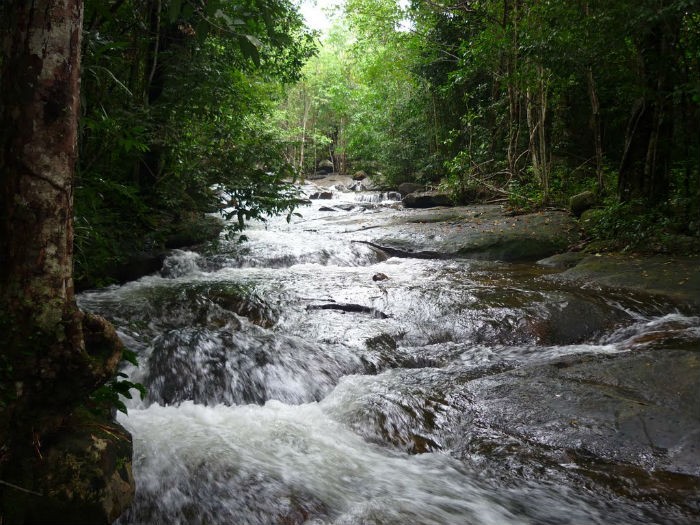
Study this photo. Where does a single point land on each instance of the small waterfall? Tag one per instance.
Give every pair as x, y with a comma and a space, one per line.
378, 197
180, 263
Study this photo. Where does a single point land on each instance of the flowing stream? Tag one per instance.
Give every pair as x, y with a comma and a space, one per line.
304, 376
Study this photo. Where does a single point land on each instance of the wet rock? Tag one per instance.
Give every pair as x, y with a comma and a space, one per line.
408, 415
427, 199
325, 166
633, 412
409, 187
581, 202
210, 366
514, 248
380, 277
173, 305
673, 278
359, 175
350, 308
571, 321
382, 342
562, 261
324, 195
476, 232
326, 208
84, 476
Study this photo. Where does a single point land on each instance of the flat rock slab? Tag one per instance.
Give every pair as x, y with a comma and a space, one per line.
634, 416
676, 278
477, 232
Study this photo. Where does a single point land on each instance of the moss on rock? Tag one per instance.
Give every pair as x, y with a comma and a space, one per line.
81, 475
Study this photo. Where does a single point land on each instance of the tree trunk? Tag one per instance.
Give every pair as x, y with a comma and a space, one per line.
645, 170
511, 14
537, 106
46, 366
595, 122
596, 128
304, 122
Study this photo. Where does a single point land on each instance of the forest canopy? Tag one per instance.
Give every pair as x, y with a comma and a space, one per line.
176, 96
529, 101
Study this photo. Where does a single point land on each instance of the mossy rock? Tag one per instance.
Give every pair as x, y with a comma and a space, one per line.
81, 475
427, 199
581, 202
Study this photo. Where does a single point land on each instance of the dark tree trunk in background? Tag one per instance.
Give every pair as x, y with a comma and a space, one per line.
645, 170
51, 355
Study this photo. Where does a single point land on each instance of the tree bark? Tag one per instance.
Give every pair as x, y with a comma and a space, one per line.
51, 355
537, 109
596, 128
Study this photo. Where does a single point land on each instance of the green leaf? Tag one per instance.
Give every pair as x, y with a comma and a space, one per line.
249, 49
174, 10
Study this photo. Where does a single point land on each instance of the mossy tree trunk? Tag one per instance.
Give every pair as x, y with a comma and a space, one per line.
51, 354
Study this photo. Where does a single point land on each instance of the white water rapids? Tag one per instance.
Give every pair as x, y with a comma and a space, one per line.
290, 407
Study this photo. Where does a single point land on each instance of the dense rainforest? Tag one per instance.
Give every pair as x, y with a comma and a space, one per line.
532, 102
159, 113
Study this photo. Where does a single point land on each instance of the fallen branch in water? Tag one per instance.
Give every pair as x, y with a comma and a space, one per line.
353, 308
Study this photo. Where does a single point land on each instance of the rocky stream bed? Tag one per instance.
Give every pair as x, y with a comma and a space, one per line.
370, 364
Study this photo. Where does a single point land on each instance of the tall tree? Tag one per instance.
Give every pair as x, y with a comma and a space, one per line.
52, 355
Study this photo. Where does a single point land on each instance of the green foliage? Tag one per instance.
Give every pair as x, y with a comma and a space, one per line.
525, 196
629, 225
110, 395
361, 103
177, 98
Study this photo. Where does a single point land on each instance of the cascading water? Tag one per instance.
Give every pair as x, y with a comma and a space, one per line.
289, 384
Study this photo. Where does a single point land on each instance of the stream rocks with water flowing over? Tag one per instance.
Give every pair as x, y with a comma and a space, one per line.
367, 364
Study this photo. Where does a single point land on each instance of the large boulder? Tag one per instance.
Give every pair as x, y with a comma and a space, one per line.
475, 232
427, 199
325, 166
582, 202
82, 477
672, 278
630, 420
409, 187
